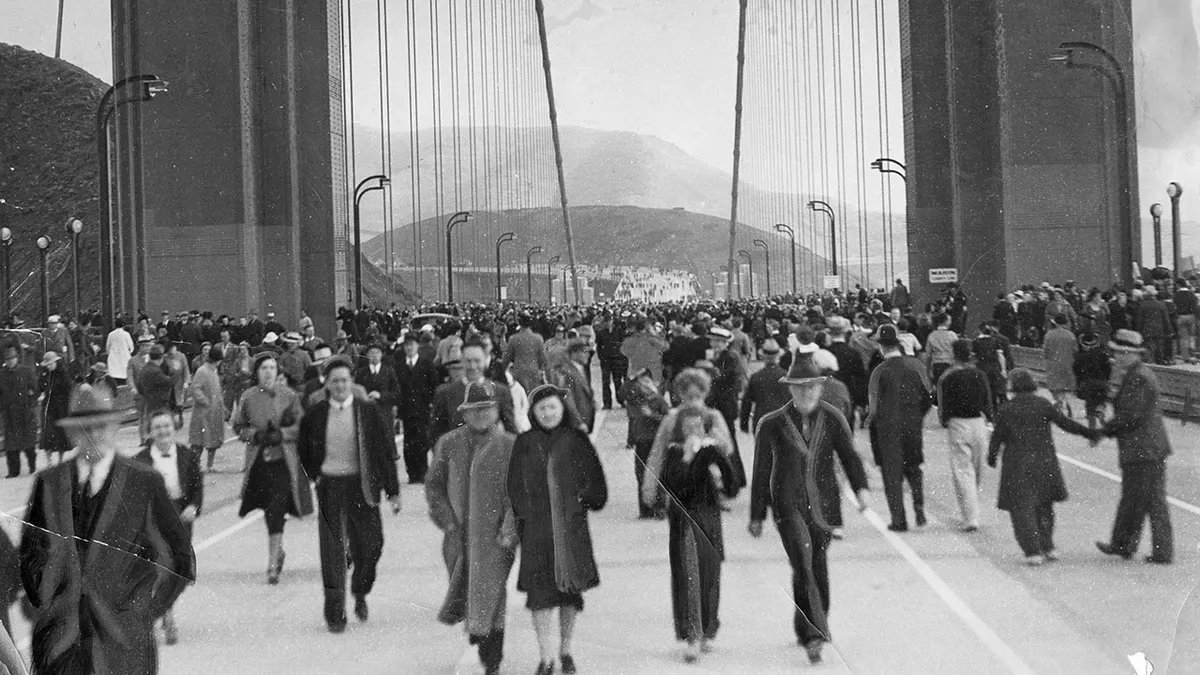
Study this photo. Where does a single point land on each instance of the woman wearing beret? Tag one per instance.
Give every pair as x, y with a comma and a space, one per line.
268, 420
554, 479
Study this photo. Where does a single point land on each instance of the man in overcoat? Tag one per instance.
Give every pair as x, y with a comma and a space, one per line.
468, 501
18, 393
207, 429
446, 415
572, 375
526, 354
346, 451
765, 393
1142, 449
899, 395
791, 446
96, 534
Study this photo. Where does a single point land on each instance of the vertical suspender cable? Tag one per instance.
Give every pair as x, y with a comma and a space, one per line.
860, 167
385, 145
887, 134
414, 144
737, 140
888, 268
562, 181
839, 129
348, 92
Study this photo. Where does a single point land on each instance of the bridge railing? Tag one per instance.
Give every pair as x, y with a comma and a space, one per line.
1179, 394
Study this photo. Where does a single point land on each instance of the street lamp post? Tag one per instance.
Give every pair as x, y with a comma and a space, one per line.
43, 243
786, 229
892, 166
74, 227
151, 85
506, 237
1156, 214
824, 207
360, 190
1115, 74
1175, 191
767, 257
529, 270
456, 219
750, 266
6, 240
550, 279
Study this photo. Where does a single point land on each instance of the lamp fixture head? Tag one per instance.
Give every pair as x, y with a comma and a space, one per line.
1156, 210
1174, 190
75, 226
43, 242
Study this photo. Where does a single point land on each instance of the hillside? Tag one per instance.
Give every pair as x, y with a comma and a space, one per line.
602, 168
48, 176
604, 235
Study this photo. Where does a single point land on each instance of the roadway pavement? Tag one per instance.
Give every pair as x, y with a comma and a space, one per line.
931, 600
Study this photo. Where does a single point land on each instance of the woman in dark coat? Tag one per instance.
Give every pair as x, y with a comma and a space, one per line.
695, 473
728, 380
1092, 372
1031, 479
268, 420
56, 387
554, 479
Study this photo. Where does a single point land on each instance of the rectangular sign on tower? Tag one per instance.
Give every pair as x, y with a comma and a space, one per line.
830, 282
943, 275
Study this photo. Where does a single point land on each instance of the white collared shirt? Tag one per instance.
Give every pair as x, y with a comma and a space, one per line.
167, 466
374, 370
341, 405
97, 473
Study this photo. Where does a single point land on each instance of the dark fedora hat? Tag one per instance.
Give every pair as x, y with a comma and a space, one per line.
479, 395
803, 370
887, 336
90, 407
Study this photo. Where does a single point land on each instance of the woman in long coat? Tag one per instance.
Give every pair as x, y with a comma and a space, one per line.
1031, 479
207, 430
56, 386
177, 368
268, 420
554, 479
468, 500
697, 546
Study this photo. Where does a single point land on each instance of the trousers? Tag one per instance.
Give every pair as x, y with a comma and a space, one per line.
416, 447
1033, 525
346, 518
968, 445
900, 456
13, 457
611, 379
1144, 493
491, 648
641, 454
806, 546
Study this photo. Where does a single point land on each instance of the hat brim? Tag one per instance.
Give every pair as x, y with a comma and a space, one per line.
1125, 348
94, 419
800, 381
477, 405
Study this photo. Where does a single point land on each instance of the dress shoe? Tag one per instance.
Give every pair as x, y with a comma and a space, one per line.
921, 518
706, 646
337, 626
837, 533
898, 527
1034, 560
1050, 555
360, 607
813, 649
170, 631
1109, 549
545, 668
568, 663
1157, 560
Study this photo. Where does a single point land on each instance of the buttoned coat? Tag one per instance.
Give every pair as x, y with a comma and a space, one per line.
1137, 421
207, 429
1030, 474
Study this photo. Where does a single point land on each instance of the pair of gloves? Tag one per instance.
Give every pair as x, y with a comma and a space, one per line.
269, 437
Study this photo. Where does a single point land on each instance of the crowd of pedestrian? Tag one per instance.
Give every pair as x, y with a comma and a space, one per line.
497, 407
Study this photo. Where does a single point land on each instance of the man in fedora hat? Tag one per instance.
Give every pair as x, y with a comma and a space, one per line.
646, 407
103, 552
294, 361
18, 394
766, 392
348, 453
155, 389
899, 397
467, 491
793, 447
1142, 449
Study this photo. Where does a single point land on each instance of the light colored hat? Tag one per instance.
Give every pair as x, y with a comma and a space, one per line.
270, 337
480, 395
719, 333
50, 357
293, 336
1126, 341
54, 318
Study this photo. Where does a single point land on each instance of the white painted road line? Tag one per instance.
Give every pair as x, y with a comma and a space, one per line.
1177, 503
986, 635
242, 524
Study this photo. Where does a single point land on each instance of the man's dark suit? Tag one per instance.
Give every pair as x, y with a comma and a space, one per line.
418, 383
387, 383
899, 399
18, 394
1142, 450
191, 480
89, 568
447, 416
851, 372
765, 394
349, 505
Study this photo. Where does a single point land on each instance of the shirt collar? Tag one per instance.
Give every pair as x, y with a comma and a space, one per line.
342, 405
99, 470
